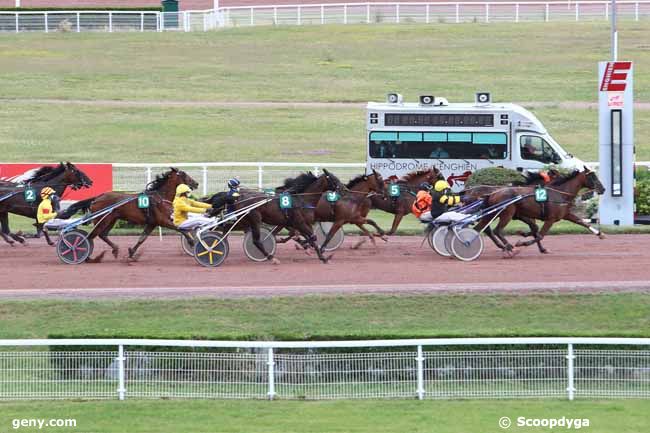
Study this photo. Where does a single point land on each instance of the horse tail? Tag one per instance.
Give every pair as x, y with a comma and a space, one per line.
82, 205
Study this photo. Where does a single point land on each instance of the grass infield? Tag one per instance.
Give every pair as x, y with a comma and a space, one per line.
378, 416
335, 317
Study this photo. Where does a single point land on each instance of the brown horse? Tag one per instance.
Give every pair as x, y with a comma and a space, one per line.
59, 178
408, 186
305, 190
561, 197
352, 207
161, 192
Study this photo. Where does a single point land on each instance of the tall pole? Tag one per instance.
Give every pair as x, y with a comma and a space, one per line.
17, 3
614, 33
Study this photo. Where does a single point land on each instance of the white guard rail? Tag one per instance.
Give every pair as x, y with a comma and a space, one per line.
314, 14
423, 368
213, 176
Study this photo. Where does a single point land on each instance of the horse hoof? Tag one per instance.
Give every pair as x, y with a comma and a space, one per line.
116, 253
544, 251
97, 259
601, 235
384, 238
275, 261
519, 244
297, 247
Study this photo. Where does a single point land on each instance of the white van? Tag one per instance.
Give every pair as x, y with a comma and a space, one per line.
458, 139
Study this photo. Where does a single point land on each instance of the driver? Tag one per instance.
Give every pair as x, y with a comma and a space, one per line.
184, 205
48, 207
429, 205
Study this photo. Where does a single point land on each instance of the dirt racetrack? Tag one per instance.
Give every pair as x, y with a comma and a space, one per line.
576, 262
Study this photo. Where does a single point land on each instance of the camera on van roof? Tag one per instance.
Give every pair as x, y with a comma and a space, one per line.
394, 98
483, 98
427, 99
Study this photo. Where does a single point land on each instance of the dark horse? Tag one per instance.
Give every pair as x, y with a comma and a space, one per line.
561, 197
408, 185
353, 207
306, 191
161, 192
58, 178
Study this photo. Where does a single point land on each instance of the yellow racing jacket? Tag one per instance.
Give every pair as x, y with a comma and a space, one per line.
45, 211
184, 205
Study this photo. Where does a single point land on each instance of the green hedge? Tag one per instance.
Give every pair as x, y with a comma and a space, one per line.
496, 176
643, 197
74, 9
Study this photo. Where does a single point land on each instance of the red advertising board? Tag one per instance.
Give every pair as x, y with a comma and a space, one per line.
101, 175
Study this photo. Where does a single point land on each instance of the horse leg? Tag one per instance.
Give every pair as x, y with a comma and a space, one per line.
255, 231
362, 240
380, 231
4, 221
534, 232
335, 227
488, 231
396, 221
574, 219
102, 230
143, 237
504, 218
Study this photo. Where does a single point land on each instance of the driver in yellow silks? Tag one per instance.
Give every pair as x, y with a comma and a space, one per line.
184, 205
46, 210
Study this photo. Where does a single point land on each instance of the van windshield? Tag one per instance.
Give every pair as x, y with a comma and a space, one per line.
438, 145
537, 149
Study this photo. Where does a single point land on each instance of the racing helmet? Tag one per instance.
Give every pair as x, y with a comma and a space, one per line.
441, 185
182, 189
233, 183
47, 191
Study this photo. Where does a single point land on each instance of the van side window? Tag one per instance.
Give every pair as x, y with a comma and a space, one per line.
537, 149
438, 145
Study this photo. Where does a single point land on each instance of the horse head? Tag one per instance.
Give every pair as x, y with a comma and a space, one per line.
76, 178
376, 182
592, 182
333, 182
176, 177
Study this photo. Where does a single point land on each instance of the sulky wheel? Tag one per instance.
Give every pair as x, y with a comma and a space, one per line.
449, 236
437, 240
211, 250
321, 229
268, 240
185, 245
74, 247
467, 245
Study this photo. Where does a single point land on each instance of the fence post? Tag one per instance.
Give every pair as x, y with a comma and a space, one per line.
397, 13
457, 13
148, 175
426, 8
487, 12
636, 11
159, 21
368, 13
322, 14
252, 17
47, 29
78, 22
546, 13
606, 11
271, 365
205, 180
345, 14
299, 15
517, 13
570, 357
110, 22
260, 177
275, 16
577, 11
121, 390
17, 27
420, 361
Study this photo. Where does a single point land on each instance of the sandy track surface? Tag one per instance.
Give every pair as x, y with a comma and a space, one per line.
401, 266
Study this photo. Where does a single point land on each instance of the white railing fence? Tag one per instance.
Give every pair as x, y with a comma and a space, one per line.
423, 369
212, 177
314, 14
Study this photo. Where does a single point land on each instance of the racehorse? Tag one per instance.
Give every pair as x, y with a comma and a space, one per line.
58, 177
408, 188
561, 197
161, 192
305, 190
352, 207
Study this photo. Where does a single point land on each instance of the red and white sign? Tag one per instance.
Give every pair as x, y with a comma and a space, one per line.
100, 174
615, 77
615, 99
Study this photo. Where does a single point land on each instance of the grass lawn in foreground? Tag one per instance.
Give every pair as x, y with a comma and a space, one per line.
555, 61
335, 317
85, 133
375, 416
